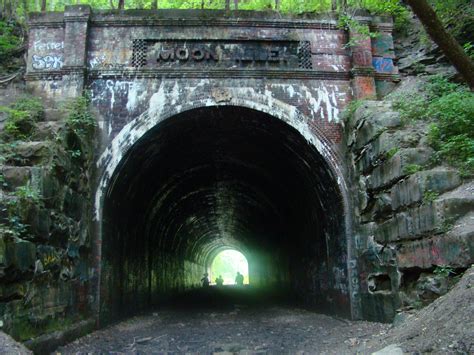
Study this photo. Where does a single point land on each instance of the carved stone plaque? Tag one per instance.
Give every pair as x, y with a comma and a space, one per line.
228, 54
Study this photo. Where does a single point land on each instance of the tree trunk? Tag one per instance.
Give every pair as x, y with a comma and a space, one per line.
446, 42
236, 4
277, 5
343, 5
25, 8
333, 5
154, 4
227, 5
121, 4
43, 5
111, 3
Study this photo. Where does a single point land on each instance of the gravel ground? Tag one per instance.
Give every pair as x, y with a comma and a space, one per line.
8, 346
244, 330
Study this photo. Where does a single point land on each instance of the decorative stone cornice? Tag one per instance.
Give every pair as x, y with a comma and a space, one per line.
294, 24
219, 73
363, 71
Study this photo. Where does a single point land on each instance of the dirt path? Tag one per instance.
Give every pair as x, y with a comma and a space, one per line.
241, 330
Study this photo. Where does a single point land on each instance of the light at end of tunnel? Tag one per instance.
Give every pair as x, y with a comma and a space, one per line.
227, 264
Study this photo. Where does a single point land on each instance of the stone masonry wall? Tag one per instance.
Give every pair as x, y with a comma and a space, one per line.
45, 234
414, 217
51, 274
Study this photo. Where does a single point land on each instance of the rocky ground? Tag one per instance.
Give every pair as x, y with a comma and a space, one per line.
10, 346
240, 330
445, 326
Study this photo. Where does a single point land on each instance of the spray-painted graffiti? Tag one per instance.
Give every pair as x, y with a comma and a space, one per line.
362, 58
47, 62
47, 46
97, 61
383, 65
100, 62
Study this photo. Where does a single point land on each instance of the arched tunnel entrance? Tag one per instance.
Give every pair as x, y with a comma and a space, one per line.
215, 178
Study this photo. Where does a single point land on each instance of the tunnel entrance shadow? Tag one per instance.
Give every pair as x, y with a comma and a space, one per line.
228, 297
215, 178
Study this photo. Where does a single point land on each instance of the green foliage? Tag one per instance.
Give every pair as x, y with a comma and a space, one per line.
17, 208
391, 152
351, 108
444, 270
7, 152
452, 132
9, 41
430, 196
361, 31
79, 118
22, 117
449, 107
411, 107
412, 169
27, 193
469, 49
458, 16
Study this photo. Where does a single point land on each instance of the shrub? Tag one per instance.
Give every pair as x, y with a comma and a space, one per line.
79, 119
9, 42
22, 117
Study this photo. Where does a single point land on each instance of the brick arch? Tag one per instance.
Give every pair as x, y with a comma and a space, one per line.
155, 114
159, 111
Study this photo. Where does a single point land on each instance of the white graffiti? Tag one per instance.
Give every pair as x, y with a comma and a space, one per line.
117, 87
47, 62
101, 62
97, 61
41, 46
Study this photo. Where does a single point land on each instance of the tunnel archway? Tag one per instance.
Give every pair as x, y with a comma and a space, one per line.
214, 177
225, 264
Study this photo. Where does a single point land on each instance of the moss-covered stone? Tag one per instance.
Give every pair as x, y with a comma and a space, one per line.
20, 254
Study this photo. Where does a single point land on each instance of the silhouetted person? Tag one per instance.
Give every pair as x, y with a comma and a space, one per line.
219, 281
239, 279
205, 280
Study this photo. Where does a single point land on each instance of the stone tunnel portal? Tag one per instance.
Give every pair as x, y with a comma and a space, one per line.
215, 178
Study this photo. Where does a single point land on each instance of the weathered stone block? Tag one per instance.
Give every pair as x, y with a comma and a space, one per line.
3, 259
458, 202
371, 120
387, 141
395, 168
412, 189
20, 254
39, 222
48, 130
34, 153
16, 176
13, 291
407, 225
455, 251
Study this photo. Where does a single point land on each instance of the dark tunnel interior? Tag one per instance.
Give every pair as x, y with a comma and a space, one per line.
216, 178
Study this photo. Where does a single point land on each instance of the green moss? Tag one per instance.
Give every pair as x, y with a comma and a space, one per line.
391, 153
412, 169
430, 196
24, 329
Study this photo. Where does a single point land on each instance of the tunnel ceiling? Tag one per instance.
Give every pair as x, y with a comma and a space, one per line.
223, 177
